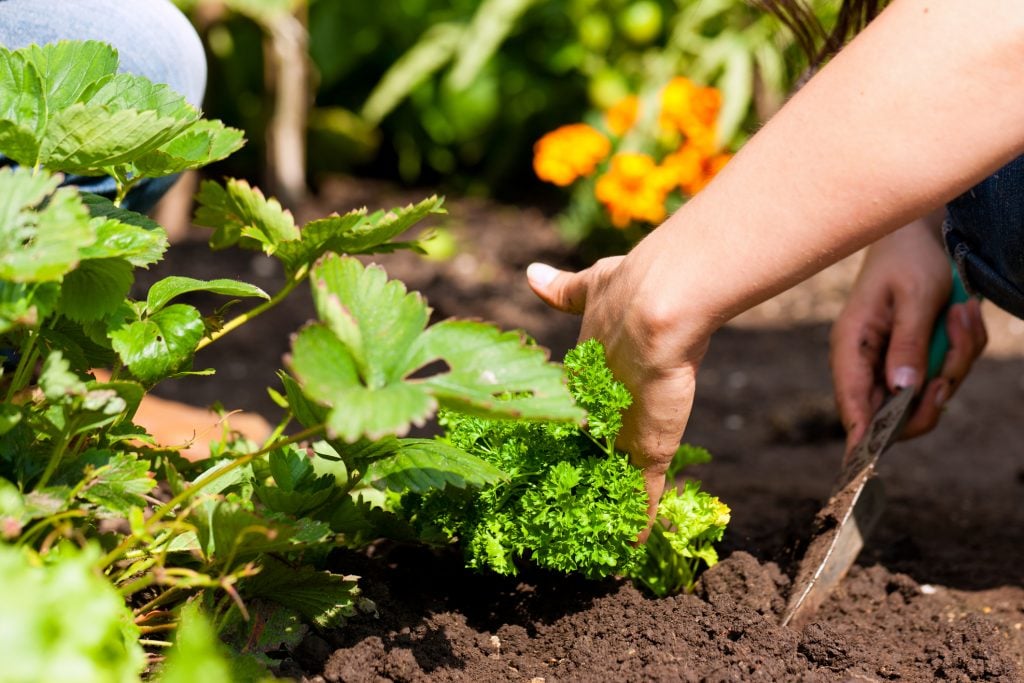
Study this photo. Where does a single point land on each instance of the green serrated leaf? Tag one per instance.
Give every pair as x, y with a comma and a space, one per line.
123, 234
329, 375
203, 143
101, 207
359, 361
70, 68
227, 532
90, 139
95, 289
22, 108
170, 287
355, 233
161, 344
56, 379
494, 373
322, 597
115, 481
126, 91
289, 467
376, 318
39, 245
237, 210
421, 465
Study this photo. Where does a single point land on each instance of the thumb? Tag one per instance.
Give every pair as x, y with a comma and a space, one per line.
558, 288
907, 358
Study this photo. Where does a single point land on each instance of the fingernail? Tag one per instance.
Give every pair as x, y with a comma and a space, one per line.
965, 317
904, 376
541, 274
941, 395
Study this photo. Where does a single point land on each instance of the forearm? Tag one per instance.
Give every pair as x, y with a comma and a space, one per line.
922, 105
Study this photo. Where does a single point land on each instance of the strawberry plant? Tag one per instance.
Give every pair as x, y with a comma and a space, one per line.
139, 539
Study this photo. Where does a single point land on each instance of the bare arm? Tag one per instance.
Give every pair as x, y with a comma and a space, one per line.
926, 102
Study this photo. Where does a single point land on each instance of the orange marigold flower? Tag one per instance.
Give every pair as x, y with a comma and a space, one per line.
710, 169
621, 117
706, 104
568, 153
634, 189
689, 109
686, 165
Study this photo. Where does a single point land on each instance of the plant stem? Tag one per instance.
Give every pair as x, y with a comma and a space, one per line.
25, 365
177, 500
55, 457
240, 320
156, 643
49, 521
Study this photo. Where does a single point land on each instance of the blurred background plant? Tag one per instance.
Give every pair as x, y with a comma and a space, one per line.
456, 92
640, 161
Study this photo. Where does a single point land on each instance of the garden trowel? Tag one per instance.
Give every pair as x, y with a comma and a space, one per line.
841, 527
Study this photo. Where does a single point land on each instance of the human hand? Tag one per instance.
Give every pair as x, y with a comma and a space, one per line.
880, 341
655, 355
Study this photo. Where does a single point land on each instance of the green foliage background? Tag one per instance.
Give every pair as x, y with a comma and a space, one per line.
457, 91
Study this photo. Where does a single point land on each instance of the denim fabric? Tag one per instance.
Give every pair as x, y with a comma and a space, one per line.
984, 233
152, 37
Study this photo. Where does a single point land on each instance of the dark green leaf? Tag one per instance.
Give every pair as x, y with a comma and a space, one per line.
424, 464
324, 598
95, 289
161, 344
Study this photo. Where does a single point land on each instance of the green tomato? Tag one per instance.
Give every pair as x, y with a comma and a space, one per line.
607, 87
595, 31
641, 22
442, 246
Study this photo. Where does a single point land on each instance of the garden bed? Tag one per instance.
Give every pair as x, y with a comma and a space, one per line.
937, 594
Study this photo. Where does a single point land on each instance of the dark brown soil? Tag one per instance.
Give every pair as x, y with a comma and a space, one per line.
937, 594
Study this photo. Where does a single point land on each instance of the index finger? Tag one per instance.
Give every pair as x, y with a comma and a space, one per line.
857, 372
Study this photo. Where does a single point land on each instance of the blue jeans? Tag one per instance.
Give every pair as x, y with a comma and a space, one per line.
984, 233
152, 37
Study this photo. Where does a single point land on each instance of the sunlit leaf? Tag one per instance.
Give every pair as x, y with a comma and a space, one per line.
161, 344
421, 465
167, 289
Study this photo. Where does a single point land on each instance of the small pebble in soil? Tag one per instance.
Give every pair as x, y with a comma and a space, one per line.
928, 589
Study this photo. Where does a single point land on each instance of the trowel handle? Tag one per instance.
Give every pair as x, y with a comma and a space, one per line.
940, 338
